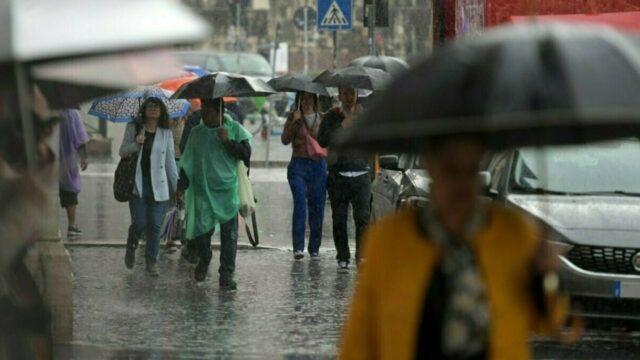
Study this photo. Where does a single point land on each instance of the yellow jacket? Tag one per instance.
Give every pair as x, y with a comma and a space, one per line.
387, 307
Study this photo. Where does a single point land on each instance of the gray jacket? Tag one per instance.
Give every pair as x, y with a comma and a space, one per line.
164, 172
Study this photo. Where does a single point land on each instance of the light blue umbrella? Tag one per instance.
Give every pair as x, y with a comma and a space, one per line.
123, 107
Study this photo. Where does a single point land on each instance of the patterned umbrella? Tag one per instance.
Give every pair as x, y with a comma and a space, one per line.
123, 107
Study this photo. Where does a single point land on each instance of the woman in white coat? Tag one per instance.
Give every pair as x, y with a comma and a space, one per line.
150, 139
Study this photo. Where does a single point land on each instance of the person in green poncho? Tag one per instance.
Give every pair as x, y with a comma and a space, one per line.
208, 173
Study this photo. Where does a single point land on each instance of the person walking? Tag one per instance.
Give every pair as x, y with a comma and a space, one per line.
349, 179
476, 279
73, 140
149, 137
307, 174
209, 176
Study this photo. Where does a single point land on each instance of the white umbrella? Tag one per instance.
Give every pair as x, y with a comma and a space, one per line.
34, 30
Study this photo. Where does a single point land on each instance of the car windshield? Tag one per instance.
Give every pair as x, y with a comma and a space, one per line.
611, 167
246, 64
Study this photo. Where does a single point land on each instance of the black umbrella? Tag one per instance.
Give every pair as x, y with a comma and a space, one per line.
297, 82
220, 84
534, 84
393, 65
358, 77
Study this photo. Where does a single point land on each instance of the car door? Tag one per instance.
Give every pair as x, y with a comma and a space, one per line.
385, 190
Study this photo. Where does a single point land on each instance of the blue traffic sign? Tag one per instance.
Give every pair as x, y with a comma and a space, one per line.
335, 14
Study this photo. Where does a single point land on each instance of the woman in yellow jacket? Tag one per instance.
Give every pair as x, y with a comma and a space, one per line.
463, 279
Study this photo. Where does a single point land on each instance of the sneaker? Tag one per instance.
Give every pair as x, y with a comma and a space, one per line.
298, 255
152, 269
227, 283
130, 256
343, 265
73, 231
314, 256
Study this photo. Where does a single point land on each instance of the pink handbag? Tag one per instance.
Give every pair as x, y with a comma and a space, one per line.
314, 150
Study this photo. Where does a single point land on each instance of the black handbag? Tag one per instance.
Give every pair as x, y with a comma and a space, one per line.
125, 176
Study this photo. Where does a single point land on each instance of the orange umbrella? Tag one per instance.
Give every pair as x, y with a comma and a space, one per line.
174, 84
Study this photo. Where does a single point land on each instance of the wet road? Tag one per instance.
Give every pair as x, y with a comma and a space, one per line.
281, 307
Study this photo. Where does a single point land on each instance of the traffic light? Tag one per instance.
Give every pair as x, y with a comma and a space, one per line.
382, 12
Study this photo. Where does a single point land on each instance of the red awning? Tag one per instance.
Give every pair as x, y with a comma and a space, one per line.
625, 21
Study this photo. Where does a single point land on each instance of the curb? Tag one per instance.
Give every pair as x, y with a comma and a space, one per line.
112, 244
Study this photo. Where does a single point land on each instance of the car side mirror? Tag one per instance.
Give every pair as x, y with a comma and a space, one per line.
389, 162
484, 177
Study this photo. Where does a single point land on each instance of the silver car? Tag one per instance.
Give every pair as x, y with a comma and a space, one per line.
587, 198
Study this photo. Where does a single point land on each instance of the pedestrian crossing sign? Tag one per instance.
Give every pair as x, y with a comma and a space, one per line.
335, 15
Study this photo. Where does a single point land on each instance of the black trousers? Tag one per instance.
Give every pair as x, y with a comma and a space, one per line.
342, 192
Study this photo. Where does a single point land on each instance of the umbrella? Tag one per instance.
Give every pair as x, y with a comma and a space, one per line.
358, 77
35, 30
70, 82
174, 84
521, 85
393, 65
297, 82
197, 70
221, 84
124, 107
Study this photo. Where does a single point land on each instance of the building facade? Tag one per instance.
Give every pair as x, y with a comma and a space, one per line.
408, 35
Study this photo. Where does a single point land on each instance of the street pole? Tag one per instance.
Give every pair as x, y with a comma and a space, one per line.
335, 49
276, 44
372, 27
238, 9
306, 37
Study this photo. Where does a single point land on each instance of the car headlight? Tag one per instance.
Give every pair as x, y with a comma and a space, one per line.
558, 242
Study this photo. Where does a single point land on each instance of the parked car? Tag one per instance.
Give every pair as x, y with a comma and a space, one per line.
586, 197
401, 182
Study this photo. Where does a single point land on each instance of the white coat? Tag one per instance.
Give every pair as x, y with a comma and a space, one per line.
164, 172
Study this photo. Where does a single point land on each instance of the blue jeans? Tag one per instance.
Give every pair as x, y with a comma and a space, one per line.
308, 182
146, 216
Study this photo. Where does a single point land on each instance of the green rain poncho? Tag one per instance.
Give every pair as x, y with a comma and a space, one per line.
212, 196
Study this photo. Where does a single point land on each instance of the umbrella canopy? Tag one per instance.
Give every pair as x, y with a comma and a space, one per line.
197, 70
124, 107
67, 83
520, 85
297, 82
221, 84
358, 77
35, 30
393, 65
174, 84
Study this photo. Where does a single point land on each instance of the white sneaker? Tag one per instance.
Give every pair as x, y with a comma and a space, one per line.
298, 255
343, 265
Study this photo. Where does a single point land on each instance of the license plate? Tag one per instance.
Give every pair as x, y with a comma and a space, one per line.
626, 290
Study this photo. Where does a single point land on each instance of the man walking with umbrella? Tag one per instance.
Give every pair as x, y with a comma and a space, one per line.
349, 181
209, 172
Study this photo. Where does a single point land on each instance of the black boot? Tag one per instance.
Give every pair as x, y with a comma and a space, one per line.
132, 245
227, 282
189, 252
205, 254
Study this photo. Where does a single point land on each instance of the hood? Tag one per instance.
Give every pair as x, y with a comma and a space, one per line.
587, 220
